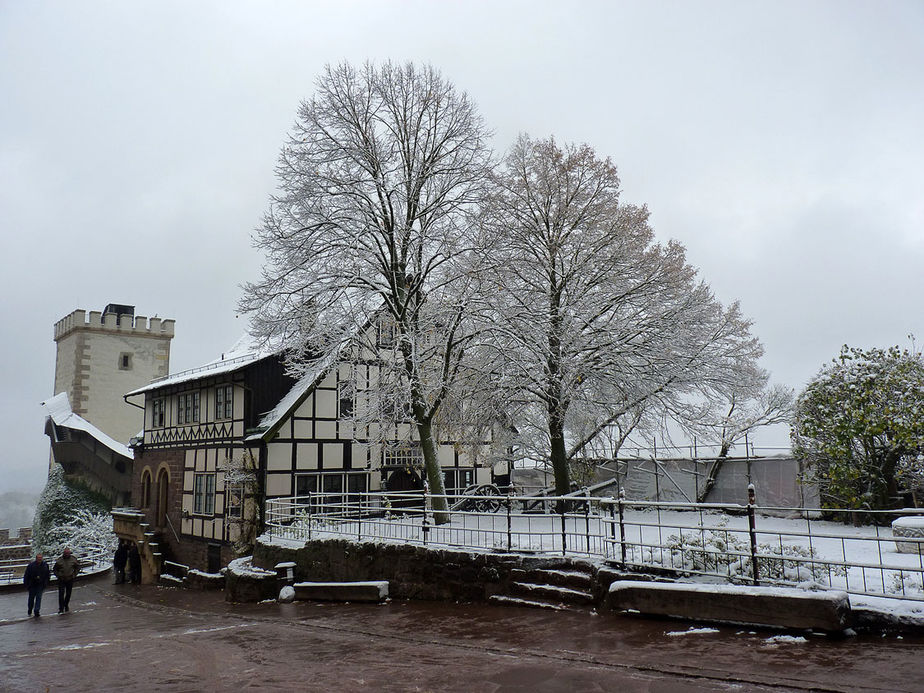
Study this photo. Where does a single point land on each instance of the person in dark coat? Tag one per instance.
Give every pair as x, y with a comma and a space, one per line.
36, 579
119, 561
66, 569
134, 564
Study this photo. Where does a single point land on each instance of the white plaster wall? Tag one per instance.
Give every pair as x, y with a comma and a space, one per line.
279, 456
103, 382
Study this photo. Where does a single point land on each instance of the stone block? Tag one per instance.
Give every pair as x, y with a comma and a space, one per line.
911, 527
779, 607
371, 591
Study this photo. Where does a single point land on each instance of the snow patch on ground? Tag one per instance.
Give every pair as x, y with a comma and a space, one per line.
193, 631
244, 567
784, 640
691, 631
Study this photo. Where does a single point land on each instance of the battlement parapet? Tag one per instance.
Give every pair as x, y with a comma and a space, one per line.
128, 324
24, 536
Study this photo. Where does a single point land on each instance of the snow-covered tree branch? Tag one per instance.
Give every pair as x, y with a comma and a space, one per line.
592, 320
372, 226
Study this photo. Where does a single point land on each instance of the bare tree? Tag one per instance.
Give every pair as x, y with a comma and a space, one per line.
371, 224
593, 321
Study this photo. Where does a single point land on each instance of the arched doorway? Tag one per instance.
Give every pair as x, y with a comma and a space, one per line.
402, 482
146, 489
163, 484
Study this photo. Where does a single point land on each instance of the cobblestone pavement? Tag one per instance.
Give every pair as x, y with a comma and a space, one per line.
164, 639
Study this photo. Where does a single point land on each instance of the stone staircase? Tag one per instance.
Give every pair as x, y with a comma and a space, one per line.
563, 587
151, 553
129, 524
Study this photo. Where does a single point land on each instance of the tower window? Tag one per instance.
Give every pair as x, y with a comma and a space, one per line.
125, 361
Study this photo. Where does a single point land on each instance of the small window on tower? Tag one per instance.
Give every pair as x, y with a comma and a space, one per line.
125, 361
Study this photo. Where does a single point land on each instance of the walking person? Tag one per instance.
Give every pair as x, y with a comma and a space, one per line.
134, 564
66, 569
36, 579
119, 561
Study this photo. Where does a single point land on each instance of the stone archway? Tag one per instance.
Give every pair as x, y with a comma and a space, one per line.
403, 481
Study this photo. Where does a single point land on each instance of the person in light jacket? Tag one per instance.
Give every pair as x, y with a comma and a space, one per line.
66, 569
36, 579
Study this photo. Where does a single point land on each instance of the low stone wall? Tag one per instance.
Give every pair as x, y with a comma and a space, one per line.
16, 548
417, 572
412, 572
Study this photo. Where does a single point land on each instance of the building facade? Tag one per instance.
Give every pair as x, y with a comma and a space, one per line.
221, 440
101, 355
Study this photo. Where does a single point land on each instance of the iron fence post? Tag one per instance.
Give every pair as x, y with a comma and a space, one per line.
425, 528
509, 528
752, 530
622, 526
309, 515
564, 540
586, 519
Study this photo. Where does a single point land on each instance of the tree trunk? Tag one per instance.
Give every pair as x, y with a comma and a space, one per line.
434, 474
558, 455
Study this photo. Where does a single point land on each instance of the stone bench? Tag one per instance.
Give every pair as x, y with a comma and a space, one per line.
912, 527
778, 607
372, 591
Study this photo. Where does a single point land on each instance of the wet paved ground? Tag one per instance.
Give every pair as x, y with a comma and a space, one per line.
154, 638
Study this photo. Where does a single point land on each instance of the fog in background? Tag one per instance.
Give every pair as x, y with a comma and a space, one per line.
780, 142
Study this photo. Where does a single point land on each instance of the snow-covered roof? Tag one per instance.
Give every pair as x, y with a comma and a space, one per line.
296, 395
58, 409
244, 352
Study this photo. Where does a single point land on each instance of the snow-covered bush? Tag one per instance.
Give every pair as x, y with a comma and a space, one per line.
728, 552
518, 544
859, 428
88, 532
303, 523
61, 504
905, 584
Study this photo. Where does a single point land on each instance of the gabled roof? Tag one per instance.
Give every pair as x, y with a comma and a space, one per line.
58, 409
273, 419
244, 353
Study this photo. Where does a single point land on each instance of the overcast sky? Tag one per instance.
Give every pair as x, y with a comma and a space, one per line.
780, 142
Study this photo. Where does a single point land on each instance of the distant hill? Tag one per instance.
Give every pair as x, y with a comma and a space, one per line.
17, 509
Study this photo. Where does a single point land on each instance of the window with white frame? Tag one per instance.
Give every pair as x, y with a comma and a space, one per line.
234, 499
158, 409
408, 455
224, 402
332, 488
187, 408
345, 402
387, 332
204, 494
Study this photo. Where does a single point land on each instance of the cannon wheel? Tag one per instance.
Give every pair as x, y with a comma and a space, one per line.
487, 505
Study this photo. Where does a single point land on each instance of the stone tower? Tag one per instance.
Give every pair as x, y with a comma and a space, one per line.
105, 355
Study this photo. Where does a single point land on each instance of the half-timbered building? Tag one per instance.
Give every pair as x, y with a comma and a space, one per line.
221, 440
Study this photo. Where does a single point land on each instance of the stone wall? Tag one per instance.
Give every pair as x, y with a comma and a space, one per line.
413, 572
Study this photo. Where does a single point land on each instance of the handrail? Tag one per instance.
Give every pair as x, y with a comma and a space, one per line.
170, 525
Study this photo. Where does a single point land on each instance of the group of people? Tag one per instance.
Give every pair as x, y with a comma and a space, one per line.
127, 555
65, 569
38, 575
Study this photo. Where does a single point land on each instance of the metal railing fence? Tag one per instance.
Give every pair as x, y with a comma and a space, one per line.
91, 560
845, 549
